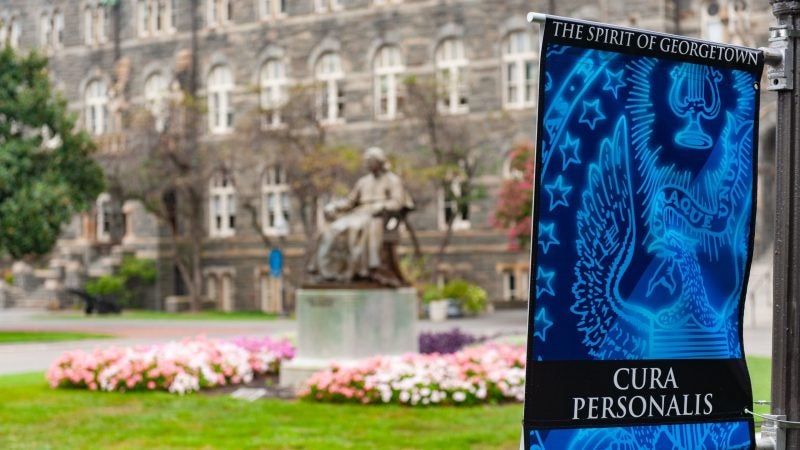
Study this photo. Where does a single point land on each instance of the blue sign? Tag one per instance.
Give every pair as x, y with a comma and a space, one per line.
643, 231
275, 262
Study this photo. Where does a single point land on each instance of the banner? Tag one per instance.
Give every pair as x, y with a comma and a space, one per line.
643, 232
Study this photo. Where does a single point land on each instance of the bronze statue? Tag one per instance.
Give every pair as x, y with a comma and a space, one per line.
358, 242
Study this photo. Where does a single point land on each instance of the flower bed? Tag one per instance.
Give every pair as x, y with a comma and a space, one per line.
177, 367
489, 373
446, 341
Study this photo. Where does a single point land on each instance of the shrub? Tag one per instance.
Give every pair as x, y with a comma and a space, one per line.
139, 269
445, 342
105, 286
472, 298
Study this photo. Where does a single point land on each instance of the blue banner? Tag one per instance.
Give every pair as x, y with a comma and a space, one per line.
643, 231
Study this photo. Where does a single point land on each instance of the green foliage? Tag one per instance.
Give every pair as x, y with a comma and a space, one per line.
128, 284
107, 285
471, 297
140, 269
46, 172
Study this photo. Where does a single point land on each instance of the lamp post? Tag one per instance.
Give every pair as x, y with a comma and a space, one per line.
786, 300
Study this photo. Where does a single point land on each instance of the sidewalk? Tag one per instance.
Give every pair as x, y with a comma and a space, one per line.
16, 358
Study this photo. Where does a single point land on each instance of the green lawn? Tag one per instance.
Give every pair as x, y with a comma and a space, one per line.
149, 315
15, 337
32, 416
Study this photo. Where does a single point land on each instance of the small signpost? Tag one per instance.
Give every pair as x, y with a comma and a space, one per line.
643, 231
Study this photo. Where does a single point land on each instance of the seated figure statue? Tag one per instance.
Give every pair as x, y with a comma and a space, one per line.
358, 241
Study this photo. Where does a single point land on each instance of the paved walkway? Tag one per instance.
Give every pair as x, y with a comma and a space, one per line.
15, 358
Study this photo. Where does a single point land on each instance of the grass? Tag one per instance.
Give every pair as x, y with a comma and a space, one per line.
15, 337
32, 416
138, 314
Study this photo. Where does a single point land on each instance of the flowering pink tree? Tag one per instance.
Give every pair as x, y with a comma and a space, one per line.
514, 204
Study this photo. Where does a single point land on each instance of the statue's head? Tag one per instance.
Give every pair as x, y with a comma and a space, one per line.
375, 159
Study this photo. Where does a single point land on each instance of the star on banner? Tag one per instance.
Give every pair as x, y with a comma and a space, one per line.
591, 113
540, 325
547, 237
544, 282
614, 82
569, 152
558, 193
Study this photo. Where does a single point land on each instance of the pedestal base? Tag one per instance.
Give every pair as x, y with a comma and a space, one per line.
346, 325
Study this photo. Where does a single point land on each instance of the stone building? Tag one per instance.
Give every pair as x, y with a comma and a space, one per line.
110, 57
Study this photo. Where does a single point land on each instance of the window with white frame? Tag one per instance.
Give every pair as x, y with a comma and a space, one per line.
220, 110
222, 206
272, 9
155, 98
273, 82
220, 12
330, 95
10, 31
95, 21
519, 82
45, 30
454, 206
388, 67
515, 282
103, 207
711, 22
275, 198
95, 109
322, 6
155, 17
451, 68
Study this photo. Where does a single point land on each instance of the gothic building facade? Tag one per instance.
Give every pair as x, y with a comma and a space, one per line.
111, 57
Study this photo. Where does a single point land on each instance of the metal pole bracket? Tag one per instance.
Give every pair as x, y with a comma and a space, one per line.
772, 432
780, 76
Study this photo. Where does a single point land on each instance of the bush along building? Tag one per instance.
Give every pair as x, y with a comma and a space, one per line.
224, 125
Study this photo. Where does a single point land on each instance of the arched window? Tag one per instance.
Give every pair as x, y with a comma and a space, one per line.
222, 206
275, 198
322, 6
273, 91
519, 71
388, 67
155, 16
219, 12
103, 207
330, 97
220, 111
451, 68
272, 9
155, 97
45, 30
13, 32
96, 107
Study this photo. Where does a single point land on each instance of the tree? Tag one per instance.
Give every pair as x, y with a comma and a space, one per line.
454, 151
46, 170
314, 165
169, 172
515, 201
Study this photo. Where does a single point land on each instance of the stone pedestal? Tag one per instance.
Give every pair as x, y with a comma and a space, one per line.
346, 325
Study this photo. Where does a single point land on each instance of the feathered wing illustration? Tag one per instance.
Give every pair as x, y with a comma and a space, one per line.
606, 239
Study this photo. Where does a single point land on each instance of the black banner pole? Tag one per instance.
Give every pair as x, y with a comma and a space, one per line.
786, 318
